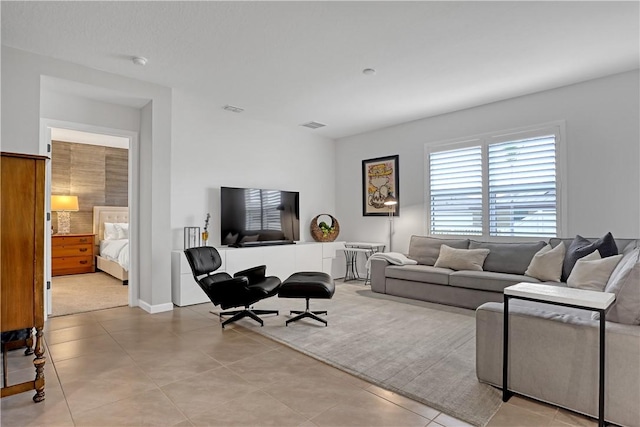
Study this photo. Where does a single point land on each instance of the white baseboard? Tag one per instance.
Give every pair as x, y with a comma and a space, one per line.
152, 309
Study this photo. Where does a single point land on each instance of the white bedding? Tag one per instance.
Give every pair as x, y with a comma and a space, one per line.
116, 250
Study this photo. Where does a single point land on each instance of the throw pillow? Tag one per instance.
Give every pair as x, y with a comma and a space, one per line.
630, 247
110, 232
625, 283
461, 259
122, 228
546, 264
592, 272
581, 247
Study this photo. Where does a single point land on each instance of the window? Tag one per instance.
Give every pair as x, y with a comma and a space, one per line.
456, 191
522, 187
495, 185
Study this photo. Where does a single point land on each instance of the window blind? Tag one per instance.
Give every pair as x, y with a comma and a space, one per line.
456, 191
522, 187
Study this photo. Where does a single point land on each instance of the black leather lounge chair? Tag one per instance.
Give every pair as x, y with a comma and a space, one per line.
243, 289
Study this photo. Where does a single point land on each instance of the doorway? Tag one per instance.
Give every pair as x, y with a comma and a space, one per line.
94, 166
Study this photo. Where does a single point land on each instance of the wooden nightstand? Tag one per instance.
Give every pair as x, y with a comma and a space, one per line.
72, 254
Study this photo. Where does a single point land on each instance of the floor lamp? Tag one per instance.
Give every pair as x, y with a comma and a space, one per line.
391, 203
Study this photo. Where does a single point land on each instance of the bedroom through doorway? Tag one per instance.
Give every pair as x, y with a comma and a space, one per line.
89, 221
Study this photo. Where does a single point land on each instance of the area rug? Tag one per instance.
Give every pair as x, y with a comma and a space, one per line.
79, 293
421, 350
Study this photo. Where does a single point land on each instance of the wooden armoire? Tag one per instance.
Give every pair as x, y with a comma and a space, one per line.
22, 257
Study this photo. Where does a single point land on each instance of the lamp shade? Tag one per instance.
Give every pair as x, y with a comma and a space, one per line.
390, 200
64, 203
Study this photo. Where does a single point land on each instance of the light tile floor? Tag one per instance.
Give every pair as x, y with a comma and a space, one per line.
123, 366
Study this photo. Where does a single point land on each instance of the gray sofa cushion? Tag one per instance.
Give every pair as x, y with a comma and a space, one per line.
425, 249
419, 273
512, 258
486, 280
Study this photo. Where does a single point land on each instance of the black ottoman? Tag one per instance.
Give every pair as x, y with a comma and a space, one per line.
307, 284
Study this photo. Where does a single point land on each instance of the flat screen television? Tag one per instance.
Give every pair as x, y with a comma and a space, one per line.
256, 217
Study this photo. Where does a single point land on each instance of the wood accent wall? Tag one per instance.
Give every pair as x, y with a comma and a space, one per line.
97, 175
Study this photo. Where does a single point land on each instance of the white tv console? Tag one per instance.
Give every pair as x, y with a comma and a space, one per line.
281, 261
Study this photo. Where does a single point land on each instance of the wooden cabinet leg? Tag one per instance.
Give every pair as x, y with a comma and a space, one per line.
39, 362
29, 350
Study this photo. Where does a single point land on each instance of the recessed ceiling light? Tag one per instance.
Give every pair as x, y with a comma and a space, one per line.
139, 60
369, 71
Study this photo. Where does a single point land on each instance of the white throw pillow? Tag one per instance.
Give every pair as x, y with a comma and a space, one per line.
461, 259
546, 264
625, 283
623, 268
110, 232
122, 229
592, 272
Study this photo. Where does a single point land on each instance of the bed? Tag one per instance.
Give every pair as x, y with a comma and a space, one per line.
112, 249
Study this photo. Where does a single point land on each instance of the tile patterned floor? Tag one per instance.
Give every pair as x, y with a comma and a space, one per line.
124, 367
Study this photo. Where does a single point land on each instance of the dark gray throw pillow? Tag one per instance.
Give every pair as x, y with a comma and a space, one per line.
581, 247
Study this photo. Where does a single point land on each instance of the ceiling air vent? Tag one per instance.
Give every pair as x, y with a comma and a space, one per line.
313, 125
233, 109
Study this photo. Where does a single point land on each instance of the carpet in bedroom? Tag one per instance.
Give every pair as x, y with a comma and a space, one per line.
421, 350
79, 293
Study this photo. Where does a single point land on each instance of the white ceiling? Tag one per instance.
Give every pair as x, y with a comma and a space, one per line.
294, 62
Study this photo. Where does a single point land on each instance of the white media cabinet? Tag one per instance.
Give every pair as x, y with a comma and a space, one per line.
281, 261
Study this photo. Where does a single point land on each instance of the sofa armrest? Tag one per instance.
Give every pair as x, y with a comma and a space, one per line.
377, 274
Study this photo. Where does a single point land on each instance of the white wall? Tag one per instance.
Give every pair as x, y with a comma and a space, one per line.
214, 148
21, 80
71, 108
603, 148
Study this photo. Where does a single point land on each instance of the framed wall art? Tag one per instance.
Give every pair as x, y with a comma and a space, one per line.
380, 179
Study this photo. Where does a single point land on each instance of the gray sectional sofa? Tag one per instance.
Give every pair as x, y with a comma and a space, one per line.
554, 354
553, 349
